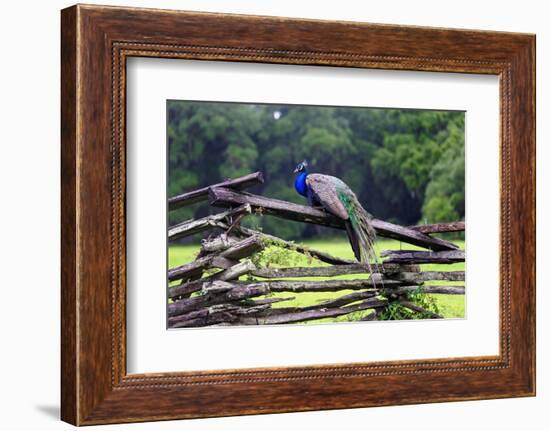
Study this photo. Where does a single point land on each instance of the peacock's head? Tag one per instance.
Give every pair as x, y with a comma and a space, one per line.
301, 167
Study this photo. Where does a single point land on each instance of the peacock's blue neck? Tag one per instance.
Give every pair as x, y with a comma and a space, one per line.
300, 183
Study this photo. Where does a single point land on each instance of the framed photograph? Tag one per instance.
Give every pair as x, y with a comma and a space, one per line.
328, 214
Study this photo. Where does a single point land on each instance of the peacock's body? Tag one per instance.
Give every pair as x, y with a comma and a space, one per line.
337, 198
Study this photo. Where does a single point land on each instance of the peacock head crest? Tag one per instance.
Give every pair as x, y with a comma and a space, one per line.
301, 167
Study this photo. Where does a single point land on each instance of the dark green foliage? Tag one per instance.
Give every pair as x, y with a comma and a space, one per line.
445, 192
395, 311
406, 166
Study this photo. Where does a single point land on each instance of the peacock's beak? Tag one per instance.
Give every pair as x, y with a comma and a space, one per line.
296, 170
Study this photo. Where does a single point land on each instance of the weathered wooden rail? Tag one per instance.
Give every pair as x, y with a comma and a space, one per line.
457, 226
200, 195
220, 196
211, 290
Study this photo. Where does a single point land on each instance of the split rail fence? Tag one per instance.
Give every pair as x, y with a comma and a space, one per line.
211, 291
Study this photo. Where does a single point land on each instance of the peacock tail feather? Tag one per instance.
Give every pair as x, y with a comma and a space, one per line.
361, 225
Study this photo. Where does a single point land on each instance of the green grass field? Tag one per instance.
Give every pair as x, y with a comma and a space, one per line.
450, 306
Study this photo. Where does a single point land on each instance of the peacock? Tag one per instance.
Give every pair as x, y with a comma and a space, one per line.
335, 196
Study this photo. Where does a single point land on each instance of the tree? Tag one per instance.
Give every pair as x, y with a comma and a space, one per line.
445, 193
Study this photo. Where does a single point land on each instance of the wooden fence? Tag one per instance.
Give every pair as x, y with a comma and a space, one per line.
210, 291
